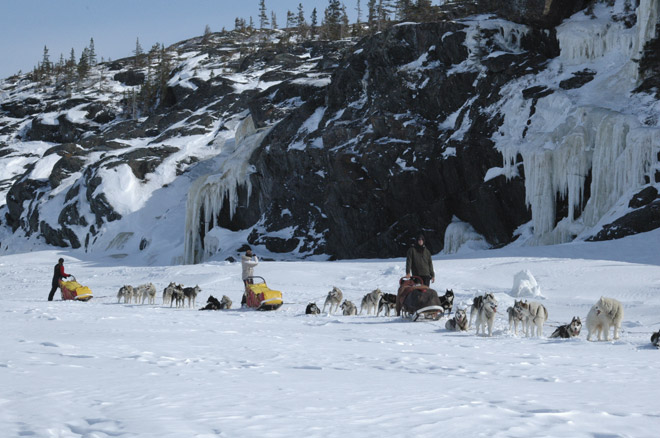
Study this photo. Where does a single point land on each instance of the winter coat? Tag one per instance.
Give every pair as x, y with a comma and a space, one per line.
248, 264
418, 261
58, 273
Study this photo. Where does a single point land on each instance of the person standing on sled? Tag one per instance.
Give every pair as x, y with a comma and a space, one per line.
58, 274
248, 262
418, 261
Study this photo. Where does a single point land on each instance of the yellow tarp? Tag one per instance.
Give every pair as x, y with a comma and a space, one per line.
273, 297
81, 291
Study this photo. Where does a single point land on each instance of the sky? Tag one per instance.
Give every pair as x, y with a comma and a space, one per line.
26, 26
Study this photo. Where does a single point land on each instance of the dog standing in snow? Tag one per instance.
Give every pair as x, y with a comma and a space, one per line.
486, 308
534, 315
655, 339
570, 330
447, 301
606, 313
125, 292
333, 299
146, 292
387, 303
515, 318
191, 294
370, 301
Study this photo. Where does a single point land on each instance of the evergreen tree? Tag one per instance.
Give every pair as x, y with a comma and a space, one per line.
332, 20
263, 17
357, 30
91, 53
273, 20
371, 15
139, 54
45, 61
313, 22
207, 35
290, 20
83, 64
345, 25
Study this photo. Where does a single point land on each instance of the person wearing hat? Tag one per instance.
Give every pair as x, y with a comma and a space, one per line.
58, 274
419, 263
248, 262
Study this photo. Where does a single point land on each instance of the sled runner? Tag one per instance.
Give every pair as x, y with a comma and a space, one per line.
259, 296
416, 300
72, 290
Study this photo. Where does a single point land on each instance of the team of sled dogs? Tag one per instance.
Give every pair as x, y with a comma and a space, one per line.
173, 294
606, 314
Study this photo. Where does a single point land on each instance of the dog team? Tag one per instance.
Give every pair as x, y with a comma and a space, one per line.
605, 315
173, 294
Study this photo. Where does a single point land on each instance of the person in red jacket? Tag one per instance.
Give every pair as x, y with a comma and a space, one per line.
58, 273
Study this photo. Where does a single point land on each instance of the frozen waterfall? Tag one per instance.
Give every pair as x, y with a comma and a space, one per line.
590, 139
209, 193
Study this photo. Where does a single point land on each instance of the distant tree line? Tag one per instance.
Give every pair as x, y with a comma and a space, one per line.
66, 72
335, 24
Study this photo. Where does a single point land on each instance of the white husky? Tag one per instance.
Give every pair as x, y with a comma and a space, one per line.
486, 309
606, 313
146, 292
334, 299
370, 301
534, 315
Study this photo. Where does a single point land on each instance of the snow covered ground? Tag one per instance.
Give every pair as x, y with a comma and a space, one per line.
98, 369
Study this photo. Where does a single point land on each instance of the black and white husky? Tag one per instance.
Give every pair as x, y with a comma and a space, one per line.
655, 339
387, 303
370, 301
191, 294
486, 308
312, 309
570, 330
459, 322
447, 301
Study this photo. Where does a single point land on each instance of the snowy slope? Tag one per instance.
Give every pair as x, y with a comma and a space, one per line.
100, 368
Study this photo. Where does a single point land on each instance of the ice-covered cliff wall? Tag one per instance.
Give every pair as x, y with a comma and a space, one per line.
589, 143
212, 193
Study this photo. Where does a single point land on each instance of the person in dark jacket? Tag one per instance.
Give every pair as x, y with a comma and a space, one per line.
58, 274
419, 263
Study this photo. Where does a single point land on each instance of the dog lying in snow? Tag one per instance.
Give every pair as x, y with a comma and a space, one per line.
333, 299
370, 301
348, 308
212, 303
312, 309
655, 339
569, 330
459, 322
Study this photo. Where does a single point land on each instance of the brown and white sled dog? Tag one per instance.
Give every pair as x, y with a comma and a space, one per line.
534, 315
333, 299
348, 308
486, 308
387, 303
459, 322
125, 292
655, 339
606, 313
515, 318
570, 330
370, 301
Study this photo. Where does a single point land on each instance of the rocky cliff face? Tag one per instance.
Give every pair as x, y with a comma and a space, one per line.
321, 149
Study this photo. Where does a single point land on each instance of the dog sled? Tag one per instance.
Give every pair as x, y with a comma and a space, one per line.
259, 296
415, 300
72, 290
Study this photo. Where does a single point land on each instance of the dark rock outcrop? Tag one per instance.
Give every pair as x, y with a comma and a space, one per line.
639, 221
